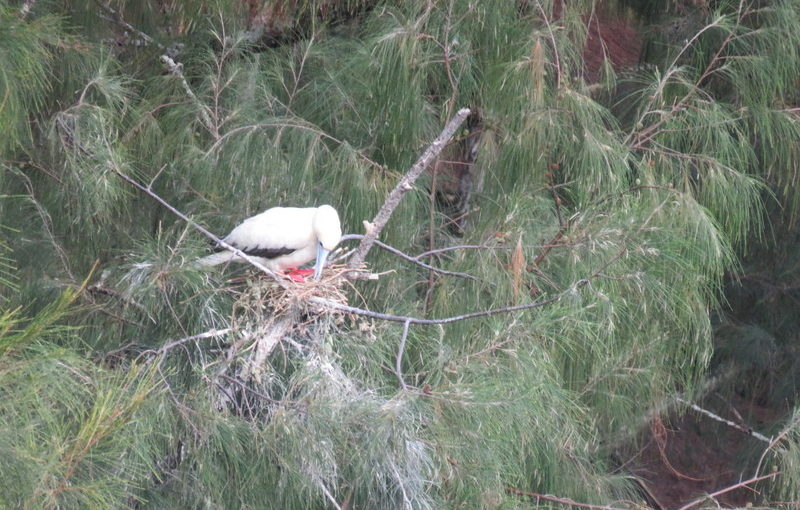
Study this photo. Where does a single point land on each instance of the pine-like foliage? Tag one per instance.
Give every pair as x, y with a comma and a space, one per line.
131, 378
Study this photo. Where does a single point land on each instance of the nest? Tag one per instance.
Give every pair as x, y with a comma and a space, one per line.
260, 293
295, 296
268, 314
276, 325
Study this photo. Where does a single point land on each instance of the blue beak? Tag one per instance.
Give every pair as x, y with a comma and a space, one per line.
322, 256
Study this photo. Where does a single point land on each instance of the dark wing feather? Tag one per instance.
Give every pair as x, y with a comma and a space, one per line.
257, 251
268, 253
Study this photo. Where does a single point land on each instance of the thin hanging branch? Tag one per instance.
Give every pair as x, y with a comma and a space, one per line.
177, 70
399, 361
637, 139
405, 185
292, 123
47, 220
449, 105
413, 260
551, 33
775, 441
445, 320
446, 249
479, 247
196, 226
472, 315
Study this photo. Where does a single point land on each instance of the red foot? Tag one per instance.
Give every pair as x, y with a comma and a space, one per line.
298, 275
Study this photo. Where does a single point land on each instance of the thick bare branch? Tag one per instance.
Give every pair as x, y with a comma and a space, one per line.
746, 430
405, 185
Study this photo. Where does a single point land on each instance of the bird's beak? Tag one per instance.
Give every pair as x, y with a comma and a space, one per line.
322, 256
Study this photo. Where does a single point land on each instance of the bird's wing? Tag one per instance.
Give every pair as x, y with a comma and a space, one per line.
275, 232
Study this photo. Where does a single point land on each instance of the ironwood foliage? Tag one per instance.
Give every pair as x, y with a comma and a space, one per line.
131, 378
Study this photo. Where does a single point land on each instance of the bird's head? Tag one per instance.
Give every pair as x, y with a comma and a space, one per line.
328, 230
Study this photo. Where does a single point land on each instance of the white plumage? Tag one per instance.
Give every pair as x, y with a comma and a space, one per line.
283, 238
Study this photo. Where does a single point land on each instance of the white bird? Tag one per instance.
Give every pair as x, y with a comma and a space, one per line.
283, 238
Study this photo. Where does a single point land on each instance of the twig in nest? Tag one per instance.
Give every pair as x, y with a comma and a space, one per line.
268, 315
297, 294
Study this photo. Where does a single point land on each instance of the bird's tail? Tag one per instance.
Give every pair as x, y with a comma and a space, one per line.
216, 258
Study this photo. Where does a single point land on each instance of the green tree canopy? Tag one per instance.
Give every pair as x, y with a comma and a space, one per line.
613, 207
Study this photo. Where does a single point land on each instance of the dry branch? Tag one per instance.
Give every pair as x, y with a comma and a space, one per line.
213, 333
705, 412
177, 69
27, 5
472, 315
399, 361
733, 487
561, 501
196, 226
115, 17
413, 260
405, 185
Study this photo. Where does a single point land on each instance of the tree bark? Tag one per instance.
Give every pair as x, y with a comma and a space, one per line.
405, 185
